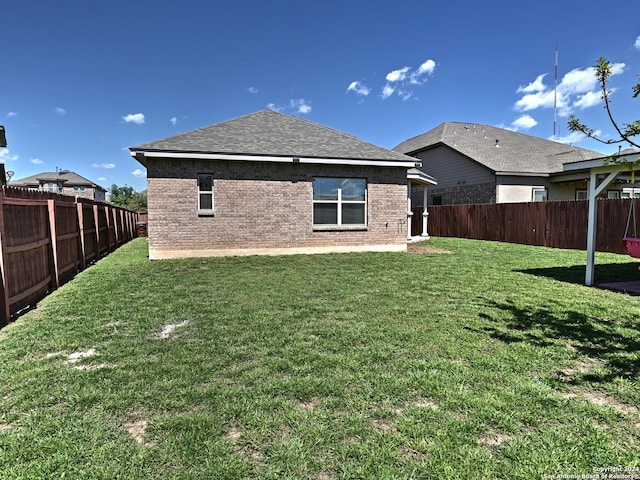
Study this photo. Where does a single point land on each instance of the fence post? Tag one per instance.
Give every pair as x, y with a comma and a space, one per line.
5, 313
97, 224
83, 249
53, 239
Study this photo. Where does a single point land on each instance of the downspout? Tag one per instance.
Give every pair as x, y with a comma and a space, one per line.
409, 211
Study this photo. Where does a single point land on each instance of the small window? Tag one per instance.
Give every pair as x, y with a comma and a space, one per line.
539, 194
339, 201
581, 195
613, 194
205, 194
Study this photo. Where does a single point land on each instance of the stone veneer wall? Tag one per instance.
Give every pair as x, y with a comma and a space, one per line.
265, 208
483, 193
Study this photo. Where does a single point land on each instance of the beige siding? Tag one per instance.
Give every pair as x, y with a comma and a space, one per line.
265, 208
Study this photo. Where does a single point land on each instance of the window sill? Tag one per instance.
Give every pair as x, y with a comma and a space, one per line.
340, 228
206, 213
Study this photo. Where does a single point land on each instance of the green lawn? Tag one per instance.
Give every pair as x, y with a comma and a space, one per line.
490, 361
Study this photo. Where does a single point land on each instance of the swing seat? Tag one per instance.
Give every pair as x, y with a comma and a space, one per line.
633, 246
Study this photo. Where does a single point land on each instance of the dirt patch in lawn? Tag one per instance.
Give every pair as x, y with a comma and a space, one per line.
169, 330
419, 403
308, 405
604, 400
255, 456
493, 441
75, 357
138, 431
417, 248
570, 374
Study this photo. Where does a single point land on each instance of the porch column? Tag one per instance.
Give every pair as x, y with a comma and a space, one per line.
425, 214
594, 191
409, 212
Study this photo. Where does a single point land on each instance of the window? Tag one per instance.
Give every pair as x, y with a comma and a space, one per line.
581, 195
539, 194
339, 201
205, 194
613, 194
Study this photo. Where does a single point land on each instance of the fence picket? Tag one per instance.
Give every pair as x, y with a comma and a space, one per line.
558, 224
46, 238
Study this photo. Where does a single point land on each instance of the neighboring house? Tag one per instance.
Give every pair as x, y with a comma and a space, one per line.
64, 182
481, 164
269, 183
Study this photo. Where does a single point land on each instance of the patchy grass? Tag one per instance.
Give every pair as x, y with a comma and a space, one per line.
487, 361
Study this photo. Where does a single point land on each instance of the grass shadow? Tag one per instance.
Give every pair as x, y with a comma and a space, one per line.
604, 273
612, 342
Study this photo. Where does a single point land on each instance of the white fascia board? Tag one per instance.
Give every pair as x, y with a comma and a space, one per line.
267, 158
623, 160
421, 179
522, 174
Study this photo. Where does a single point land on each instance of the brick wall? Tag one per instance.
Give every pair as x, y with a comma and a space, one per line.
265, 208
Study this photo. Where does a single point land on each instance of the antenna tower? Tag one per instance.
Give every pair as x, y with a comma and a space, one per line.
555, 94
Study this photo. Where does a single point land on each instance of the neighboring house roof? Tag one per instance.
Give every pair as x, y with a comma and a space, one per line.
66, 177
268, 134
500, 150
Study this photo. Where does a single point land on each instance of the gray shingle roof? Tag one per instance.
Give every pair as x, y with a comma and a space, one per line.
67, 177
499, 149
271, 133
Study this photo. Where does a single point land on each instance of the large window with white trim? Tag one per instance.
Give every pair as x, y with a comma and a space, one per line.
339, 201
205, 194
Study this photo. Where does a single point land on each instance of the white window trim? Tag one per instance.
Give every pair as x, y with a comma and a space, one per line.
339, 202
538, 190
206, 211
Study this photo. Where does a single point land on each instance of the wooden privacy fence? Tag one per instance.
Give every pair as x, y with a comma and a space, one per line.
46, 238
558, 224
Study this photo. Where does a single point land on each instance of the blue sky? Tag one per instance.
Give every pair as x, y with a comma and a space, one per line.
82, 80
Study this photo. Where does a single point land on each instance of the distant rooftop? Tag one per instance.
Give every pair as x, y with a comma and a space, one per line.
499, 149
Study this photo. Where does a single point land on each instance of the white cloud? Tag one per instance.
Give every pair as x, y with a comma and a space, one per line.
137, 118
138, 172
102, 179
397, 75
173, 120
387, 91
637, 43
36, 161
6, 157
103, 165
578, 89
302, 105
358, 88
427, 67
60, 111
536, 86
11, 114
575, 137
399, 81
587, 100
299, 105
524, 122
252, 90
535, 100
